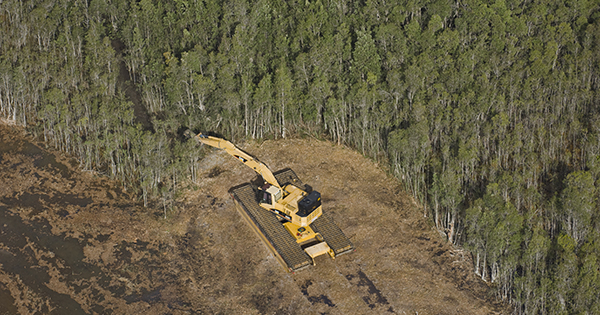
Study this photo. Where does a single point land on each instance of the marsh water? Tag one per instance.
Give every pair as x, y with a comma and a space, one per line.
47, 224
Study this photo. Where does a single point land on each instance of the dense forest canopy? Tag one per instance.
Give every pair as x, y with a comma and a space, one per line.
487, 111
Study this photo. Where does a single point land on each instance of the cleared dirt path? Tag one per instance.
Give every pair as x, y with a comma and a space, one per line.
74, 242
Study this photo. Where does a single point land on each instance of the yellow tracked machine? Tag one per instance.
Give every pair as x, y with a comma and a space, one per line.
286, 214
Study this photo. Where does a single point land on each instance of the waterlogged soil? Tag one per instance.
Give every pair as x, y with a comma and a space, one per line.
74, 242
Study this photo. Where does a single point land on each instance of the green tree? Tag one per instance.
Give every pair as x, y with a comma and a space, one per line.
366, 62
283, 94
578, 200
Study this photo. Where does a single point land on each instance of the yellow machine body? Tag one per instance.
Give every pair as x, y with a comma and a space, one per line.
296, 208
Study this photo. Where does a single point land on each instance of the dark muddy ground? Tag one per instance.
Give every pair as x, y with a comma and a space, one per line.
73, 242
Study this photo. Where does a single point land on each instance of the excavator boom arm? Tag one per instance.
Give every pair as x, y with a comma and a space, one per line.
252, 162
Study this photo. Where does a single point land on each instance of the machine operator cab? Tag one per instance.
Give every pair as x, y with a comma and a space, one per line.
270, 194
308, 205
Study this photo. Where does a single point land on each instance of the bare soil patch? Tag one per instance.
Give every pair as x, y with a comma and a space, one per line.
73, 242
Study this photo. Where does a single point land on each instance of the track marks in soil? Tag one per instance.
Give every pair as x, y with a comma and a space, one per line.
314, 299
359, 288
371, 295
264, 302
